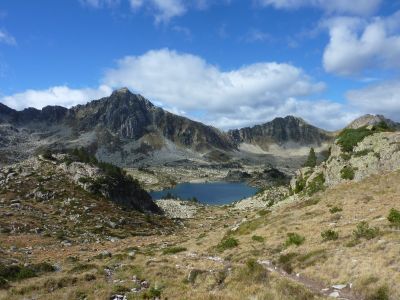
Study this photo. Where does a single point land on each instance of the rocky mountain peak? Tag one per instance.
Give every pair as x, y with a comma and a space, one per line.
368, 120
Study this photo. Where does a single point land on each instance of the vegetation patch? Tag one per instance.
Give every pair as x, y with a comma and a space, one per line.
249, 226
335, 209
316, 185
227, 243
347, 173
18, 272
294, 239
300, 184
329, 235
311, 161
252, 272
363, 230
349, 137
173, 250
362, 152
394, 217
258, 238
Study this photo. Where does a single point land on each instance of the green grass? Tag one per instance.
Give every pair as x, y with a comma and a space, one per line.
173, 250
294, 239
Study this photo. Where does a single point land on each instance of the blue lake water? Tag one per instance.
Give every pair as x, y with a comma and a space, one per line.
213, 193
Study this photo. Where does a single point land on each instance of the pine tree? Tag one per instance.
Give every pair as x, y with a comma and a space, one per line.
311, 159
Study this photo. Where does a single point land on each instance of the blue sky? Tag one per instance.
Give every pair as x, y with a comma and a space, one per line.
229, 63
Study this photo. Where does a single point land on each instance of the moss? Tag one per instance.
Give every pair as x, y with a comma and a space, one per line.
347, 173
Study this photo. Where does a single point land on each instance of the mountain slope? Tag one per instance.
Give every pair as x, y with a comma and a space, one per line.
289, 131
122, 128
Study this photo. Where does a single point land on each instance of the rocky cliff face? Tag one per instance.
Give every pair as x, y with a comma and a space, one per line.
290, 131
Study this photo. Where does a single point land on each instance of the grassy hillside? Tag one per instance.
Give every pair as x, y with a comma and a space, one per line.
299, 250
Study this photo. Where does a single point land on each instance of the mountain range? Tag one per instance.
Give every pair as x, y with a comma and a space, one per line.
128, 130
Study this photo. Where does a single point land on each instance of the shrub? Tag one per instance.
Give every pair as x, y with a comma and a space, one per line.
285, 262
347, 173
227, 243
300, 185
174, 250
329, 235
335, 209
349, 138
316, 185
252, 272
152, 293
294, 239
363, 230
362, 152
258, 238
381, 293
394, 217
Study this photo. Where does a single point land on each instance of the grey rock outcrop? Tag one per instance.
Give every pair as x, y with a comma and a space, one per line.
375, 154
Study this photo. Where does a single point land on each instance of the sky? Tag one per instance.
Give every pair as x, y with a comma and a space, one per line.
227, 63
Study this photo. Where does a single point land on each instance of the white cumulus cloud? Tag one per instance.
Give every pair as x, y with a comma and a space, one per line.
357, 45
355, 7
190, 83
57, 95
382, 98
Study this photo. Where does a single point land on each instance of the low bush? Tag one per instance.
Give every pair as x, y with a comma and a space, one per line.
363, 230
394, 217
252, 272
335, 209
227, 243
329, 235
258, 238
294, 239
173, 250
347, 173
381, 293
316, 185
